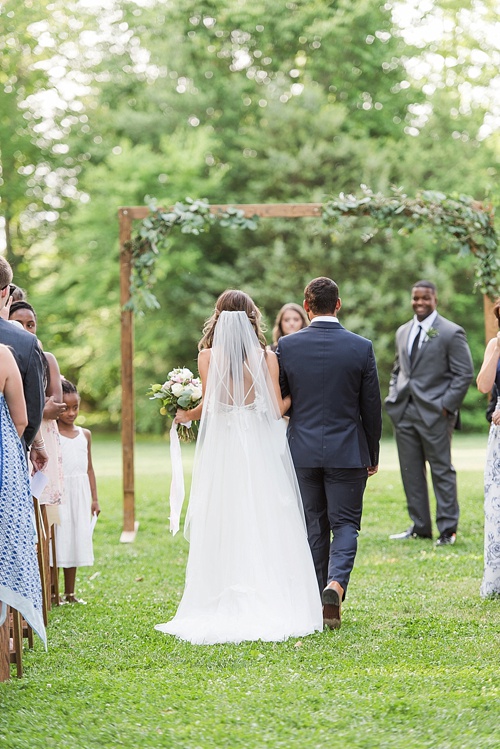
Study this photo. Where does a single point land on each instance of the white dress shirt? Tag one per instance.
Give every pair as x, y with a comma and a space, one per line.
324, 318
425, 325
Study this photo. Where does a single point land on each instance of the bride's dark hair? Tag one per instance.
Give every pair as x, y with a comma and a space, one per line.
233, 300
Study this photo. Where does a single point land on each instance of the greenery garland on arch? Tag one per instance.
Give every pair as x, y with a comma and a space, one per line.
463, 223
465, 226
192, 217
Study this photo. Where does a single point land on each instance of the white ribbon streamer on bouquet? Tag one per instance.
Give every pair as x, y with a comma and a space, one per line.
177, 484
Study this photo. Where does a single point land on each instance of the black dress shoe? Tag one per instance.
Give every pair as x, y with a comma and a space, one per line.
331, 598
405, 535
446, 539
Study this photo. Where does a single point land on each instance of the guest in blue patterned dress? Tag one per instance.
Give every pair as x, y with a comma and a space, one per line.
489, 375
19, 574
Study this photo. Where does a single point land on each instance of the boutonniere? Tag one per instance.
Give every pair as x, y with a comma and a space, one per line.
432, 333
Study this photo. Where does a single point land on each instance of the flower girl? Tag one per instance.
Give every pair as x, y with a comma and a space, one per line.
80, 503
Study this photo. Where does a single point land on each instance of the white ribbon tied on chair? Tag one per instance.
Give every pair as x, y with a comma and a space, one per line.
177, 484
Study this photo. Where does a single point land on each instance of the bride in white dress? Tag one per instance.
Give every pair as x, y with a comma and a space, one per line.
250, 574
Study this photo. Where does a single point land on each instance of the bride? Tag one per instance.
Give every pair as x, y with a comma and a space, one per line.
250, 574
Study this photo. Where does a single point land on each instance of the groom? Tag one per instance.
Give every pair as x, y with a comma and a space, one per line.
334, 433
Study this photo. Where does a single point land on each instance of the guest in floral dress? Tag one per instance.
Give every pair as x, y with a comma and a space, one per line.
489, 376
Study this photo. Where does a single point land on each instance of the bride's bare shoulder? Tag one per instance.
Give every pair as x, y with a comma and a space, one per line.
272, 361
203, 360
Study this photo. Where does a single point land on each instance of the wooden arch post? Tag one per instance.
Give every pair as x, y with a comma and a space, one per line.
126, 216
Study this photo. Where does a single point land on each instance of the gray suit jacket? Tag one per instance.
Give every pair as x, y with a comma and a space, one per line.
28, 356
439, 378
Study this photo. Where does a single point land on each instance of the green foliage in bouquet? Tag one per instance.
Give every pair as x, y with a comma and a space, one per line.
180, 390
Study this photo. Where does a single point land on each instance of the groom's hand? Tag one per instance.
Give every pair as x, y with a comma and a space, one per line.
372, 470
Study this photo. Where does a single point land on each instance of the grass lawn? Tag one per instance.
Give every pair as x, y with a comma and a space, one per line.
416, 663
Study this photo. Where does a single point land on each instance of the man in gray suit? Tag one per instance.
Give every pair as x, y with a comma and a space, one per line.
28, 356
431, 375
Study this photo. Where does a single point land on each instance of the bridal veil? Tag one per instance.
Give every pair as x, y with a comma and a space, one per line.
250, 574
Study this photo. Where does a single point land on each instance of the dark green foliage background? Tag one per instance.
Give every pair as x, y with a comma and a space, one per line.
212, 110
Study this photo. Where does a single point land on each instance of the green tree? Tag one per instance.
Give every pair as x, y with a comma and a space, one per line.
261, 102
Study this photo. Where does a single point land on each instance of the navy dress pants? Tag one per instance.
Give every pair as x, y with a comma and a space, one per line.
333, 503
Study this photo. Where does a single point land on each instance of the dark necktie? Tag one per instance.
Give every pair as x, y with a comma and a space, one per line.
414, 346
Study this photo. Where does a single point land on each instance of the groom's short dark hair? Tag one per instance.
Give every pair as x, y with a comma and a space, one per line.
322, 295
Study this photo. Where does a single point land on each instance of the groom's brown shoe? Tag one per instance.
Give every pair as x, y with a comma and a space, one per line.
331, 598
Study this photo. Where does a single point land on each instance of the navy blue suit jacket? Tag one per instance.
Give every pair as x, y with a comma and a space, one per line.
336, 413
28, 356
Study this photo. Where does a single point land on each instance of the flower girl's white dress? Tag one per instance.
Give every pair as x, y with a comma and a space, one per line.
250, 574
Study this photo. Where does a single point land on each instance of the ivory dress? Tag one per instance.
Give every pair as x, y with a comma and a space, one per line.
250, 574
74, 534
53, 491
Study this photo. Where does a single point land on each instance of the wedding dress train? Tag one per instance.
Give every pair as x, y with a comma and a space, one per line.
250, 574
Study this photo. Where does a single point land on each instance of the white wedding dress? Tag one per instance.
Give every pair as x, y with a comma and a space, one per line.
250, 574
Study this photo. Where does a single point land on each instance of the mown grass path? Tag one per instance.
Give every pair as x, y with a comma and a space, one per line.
414, 665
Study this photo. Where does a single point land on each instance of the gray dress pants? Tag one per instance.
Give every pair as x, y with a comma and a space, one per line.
417, 445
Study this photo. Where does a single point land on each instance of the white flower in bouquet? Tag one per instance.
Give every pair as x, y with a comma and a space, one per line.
177, 389
180, 390
196, 393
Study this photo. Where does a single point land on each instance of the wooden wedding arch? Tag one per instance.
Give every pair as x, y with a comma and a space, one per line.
127, 215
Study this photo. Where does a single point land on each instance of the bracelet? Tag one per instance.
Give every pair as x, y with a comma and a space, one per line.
38, 445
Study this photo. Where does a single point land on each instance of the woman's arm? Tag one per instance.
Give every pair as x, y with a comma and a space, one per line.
54, 387
274, 373
194, 414
488, 371
90, 472
13, 390
54, 404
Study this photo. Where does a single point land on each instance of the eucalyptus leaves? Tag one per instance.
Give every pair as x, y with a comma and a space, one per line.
462, 224
192, 217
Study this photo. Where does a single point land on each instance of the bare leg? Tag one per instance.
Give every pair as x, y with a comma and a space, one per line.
69, 582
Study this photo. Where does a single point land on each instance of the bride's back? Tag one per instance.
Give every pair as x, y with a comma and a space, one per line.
237, 371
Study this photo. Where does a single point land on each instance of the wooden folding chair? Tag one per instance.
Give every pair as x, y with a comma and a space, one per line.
54, 572
5, 650
41, 554
16, 641
28, 633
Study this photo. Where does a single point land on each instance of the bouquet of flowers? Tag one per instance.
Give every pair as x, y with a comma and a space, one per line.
181, 390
